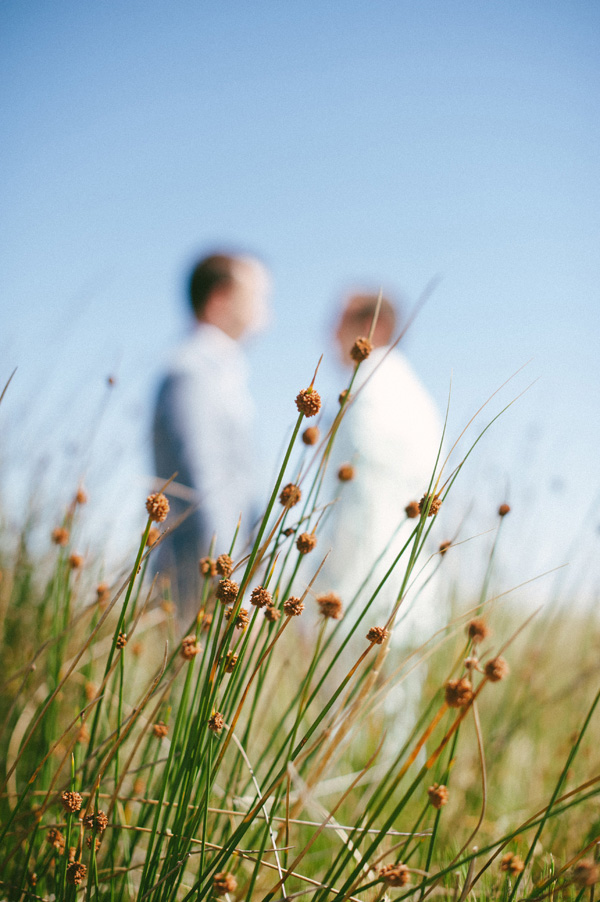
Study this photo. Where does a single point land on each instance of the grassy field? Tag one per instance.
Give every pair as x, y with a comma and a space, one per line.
248, 755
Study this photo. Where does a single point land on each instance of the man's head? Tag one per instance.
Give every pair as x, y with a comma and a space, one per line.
356, 319
231, 293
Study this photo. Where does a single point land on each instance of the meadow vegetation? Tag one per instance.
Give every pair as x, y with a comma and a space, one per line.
248, 756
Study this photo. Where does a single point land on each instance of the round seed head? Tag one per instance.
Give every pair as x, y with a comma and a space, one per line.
60, 536
331, 606
346, 473
76, 871
412, 510
153, 537
157, 506
511, 863
227, 591
306, 542
395, 874
56, 839
272, 614
208, 567
377, 635
503, 510
224, 565
308, 402
290, 495
586, 872
434, 502
160, 730
438, 795
189, 648
224, 883
261, 597
361, 349
310, 436
71, 801
477, 630
458, 692
293, 607
496, 669
216, 722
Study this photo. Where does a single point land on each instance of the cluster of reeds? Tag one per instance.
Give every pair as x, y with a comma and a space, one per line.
242, 756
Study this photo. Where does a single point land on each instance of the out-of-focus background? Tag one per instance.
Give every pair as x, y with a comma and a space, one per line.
348, 144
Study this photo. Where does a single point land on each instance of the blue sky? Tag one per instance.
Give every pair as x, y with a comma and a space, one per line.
348, 143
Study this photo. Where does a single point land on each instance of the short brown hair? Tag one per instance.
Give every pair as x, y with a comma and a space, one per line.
210, 274
360, 308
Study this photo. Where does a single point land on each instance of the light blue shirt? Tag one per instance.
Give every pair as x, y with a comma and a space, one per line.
203, 431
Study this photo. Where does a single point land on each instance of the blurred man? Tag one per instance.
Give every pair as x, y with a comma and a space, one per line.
203, 420
390, 435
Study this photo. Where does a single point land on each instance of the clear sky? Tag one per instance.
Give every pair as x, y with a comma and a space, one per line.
349, 143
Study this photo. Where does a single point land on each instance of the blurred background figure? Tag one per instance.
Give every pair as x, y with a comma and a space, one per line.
203, 421
384, 457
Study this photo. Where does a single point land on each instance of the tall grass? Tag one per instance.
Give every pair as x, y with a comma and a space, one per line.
246, 755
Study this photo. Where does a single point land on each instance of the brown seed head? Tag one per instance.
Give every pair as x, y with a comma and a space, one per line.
103, 594
346, 473
503, 510
477, 630
153, 537
290, 495
444, 546
412, 510
512, 863
242, 618
261, 597
216, 722
224, 565
496, 669
586, 872
160, 730
343, 396
438, 795
330, 605
458, 692
377, 635
189, 648
157, 506
293, 607
100, 822
121, 640
272, 614
231, 660
224, 883
206, 620
97, 842
395, 874
76, 872
305, 542
83, 734
289, 531
81, 497
308, 402
434, 502
361, 349
208, 567
90, 691
310, 436
56, 839
71, 801
227, 591
60, 536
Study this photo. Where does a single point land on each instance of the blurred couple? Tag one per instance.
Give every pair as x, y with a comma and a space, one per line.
203, 431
